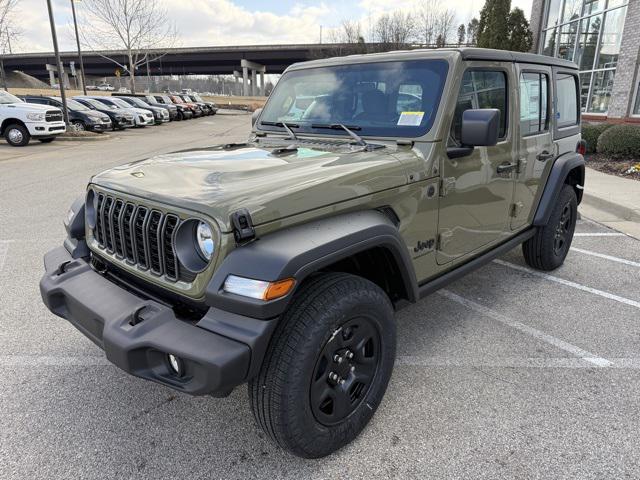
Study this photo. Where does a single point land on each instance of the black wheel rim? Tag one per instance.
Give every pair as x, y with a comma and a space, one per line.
563, 230
345, 370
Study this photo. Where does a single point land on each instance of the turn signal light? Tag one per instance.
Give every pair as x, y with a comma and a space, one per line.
279, 289
581, 148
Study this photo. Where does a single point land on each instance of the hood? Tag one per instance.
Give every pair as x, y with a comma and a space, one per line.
30, 107
217, 182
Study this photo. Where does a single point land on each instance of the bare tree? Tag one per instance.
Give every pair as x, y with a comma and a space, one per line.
8, 30
462, 33
347, 39
435, 20
135, 26
427, 21
395, 29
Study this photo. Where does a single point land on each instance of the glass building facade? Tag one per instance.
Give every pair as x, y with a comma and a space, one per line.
589, 33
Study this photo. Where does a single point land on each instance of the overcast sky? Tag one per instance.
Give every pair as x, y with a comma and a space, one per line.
234, 22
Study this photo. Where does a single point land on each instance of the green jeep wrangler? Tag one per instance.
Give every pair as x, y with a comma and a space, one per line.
367, 183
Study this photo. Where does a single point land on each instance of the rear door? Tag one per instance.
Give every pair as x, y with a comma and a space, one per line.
536, 150
475, 194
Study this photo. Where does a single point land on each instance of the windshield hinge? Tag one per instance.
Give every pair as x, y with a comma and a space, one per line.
243, 230
447, 184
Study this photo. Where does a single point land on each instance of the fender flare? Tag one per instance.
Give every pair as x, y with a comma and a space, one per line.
563, 165
299, 251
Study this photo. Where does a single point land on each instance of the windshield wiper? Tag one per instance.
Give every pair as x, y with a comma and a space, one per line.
349, 130
286, 126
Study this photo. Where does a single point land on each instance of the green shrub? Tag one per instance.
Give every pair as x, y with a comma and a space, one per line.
620, 141
590, 134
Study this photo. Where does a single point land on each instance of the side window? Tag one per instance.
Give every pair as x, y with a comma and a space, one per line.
481, 89
566, 100
534, 117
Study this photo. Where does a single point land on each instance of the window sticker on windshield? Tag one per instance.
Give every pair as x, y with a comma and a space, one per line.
410, 119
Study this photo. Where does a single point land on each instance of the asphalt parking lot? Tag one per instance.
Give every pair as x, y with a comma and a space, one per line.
508, 373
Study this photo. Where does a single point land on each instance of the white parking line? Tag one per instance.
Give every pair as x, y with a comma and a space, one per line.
569, 283
606, 257
4, 248
556, 342
600, 234
51, 361
511, 362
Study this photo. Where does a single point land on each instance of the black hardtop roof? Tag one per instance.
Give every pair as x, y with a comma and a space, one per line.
472, 53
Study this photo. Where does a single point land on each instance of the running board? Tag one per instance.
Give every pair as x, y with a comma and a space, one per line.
451, 276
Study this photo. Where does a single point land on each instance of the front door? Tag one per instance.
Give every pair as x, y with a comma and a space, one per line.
536, 149
477, 190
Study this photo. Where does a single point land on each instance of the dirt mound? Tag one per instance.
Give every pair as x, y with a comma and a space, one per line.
18, 79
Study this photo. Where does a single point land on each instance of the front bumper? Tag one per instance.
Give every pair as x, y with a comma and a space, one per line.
99, 127
219, 351
39, 129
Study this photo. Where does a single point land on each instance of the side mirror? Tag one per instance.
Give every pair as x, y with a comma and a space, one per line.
480, 128
255, 115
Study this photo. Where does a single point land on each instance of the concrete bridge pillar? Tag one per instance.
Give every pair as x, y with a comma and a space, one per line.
254, 68
63, 77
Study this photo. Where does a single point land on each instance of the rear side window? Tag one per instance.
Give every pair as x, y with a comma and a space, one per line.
566, 100
534, 100
481, 89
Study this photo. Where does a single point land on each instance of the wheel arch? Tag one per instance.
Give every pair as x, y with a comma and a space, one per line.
363, 243
10, 121
567, 169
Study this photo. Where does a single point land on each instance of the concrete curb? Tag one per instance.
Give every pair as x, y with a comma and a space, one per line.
98, 138
621, 211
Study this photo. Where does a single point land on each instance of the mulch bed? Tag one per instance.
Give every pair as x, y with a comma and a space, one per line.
613, 166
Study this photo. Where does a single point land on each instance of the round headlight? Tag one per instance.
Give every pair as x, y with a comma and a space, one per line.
204, 240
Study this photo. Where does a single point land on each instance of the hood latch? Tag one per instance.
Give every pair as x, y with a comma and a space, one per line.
243, 230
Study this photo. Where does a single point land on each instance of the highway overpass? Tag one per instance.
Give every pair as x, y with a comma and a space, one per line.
179, 61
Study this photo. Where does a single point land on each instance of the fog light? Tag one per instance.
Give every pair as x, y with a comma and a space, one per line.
175, 365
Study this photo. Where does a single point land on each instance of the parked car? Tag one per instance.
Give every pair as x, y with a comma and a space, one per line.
209, 107
170, 107
124, 90
281, 261
196, 110
105, 87
182, 111
160, 115
119, 119
141, 117
92, 87
81, 117
21, 121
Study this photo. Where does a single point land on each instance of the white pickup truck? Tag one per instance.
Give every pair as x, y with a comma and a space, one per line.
19, 121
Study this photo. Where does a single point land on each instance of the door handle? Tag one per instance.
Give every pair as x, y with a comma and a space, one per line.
506, 167
544, 156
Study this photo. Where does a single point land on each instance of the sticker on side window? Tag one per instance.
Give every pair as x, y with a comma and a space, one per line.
410, 119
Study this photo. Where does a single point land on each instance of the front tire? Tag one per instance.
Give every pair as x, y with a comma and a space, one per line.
327, 367
78, 126
16, 135
548, 248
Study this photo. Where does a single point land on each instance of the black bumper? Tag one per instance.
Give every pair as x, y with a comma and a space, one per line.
219, 352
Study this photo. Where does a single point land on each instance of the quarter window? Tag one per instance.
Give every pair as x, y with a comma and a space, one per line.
566, 100
534, 117
481, 89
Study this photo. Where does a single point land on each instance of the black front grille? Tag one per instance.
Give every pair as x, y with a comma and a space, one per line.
138, 235
53, 116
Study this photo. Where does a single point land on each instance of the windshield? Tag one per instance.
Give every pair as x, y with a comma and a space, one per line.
120, 103
96, 104
6, 97
150, 99
197, 98
73, 105
136, 101
166, 99
395, 99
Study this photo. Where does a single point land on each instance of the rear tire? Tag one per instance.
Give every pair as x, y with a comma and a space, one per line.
327, 367
78, 126
548, 248
16, 135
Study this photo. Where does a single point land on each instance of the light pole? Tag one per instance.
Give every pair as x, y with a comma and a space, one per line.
54, 37
75, 25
